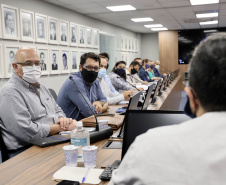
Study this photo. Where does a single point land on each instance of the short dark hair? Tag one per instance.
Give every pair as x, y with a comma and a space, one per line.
64, 55
116, 65
105, 55
145, 61
134, 63
42, 54
137, 59
207, 72
89, 55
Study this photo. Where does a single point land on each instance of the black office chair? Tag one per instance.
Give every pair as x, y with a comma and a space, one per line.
3, 149
53, 93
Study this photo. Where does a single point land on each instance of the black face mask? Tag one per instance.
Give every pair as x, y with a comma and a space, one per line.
152, 66
89, 76
133, 71
187, 109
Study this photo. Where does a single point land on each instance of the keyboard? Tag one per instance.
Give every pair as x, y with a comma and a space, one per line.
107, 173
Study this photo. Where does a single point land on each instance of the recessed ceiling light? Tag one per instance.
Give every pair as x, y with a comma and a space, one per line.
121, 8
159, 29
145, 19
209, 31
153, 26
208, 22
204, 15
200, 2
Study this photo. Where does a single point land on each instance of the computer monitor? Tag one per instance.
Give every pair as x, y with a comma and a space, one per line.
156, 92
161, 86
138, 122
134, 101
147, 97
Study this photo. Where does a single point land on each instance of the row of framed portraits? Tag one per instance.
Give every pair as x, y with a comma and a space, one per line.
19, 24
53, 60
129, 44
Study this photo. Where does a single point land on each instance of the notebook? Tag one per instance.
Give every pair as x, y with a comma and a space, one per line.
49, 141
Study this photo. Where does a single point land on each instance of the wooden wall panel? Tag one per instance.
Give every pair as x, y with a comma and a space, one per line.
168, 52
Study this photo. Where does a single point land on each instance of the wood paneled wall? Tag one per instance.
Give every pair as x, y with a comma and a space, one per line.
168, 52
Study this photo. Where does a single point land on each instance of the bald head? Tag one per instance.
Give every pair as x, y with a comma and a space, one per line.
25, 54
157, 62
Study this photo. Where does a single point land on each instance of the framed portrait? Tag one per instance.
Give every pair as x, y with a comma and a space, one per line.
43, 53
136, 46
82, 36
26, 25
122, 43
117, 42
40, 27
65, 61
89, 38
133, 45
64, 32
122, 57
9, 55
75, 60
0, 24
129, 44
95, 38
73, 34
126, 44
53, 30
1, 64
54, 58
10, 22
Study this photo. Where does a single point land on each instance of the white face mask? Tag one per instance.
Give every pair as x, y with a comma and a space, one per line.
31, 73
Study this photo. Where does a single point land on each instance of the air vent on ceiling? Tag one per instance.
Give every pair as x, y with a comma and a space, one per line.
198, 20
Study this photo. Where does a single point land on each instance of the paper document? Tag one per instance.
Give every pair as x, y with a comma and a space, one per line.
145, 87
77, 173
90, 129
123, 102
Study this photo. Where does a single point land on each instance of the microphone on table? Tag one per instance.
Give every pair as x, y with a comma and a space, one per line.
100, 134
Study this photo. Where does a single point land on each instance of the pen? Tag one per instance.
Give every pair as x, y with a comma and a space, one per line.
84, 178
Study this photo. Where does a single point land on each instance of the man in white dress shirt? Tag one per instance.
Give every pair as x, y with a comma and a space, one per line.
193, 152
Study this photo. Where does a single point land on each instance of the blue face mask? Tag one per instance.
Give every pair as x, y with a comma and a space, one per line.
120, 71
102, 72
187, 109
147, 66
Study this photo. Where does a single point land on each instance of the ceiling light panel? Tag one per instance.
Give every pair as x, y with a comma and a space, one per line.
201, 2
121, 8
206, 15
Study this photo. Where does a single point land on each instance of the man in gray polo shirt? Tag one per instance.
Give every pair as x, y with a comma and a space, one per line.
27, 109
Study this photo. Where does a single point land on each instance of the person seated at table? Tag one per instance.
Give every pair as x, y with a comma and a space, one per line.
143, 72
27, 108
118, 77
156, 69
131, 73
193, 152
151, 72
106, 77
69, 97
112, 98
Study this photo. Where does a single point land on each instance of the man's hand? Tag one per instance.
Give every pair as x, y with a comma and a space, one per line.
64, 122
72, 126
98, 105
127, 94
145, 82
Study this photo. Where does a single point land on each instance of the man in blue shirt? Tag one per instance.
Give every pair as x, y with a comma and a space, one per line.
69, 98
143, 74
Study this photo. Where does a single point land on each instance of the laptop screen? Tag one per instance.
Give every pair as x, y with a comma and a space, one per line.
139, 121
147, 97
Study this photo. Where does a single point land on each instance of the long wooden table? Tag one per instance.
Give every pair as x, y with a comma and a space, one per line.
37, 165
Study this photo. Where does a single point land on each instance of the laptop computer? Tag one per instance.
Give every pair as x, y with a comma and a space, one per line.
147, 97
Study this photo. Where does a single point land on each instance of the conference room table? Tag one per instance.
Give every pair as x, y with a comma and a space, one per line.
37, 165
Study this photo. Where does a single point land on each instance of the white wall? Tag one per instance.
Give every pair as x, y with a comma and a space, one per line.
150, 46
38, 6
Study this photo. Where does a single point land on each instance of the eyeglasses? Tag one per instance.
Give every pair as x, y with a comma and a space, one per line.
89, 68
30, 64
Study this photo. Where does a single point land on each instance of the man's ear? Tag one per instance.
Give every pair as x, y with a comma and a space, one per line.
80, 67
194, 102
15, 67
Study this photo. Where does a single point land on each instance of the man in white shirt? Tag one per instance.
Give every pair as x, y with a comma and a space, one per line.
112, 98
193, 152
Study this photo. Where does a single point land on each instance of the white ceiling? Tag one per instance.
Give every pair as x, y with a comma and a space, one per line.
173, 14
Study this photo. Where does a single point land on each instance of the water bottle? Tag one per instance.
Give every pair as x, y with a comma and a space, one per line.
80, 138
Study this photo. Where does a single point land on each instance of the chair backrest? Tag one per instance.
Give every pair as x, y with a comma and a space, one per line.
3, 149
53, 93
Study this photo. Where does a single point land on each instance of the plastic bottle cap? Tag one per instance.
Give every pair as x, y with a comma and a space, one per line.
79, 124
